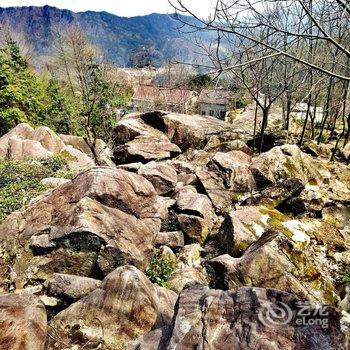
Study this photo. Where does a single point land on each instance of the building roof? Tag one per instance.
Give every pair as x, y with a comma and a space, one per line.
217, 96
158, 94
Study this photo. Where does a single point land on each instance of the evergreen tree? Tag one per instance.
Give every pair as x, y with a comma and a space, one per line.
21, 93
60, 111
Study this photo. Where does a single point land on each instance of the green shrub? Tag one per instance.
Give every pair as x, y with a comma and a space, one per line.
160, 270
20, 180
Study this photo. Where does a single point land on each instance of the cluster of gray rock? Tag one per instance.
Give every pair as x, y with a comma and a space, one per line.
245, 233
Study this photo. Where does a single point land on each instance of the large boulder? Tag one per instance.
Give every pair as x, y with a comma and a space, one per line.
19, 149
24, 142
144, 149
172, 239
221, 144
48, 139
226, 177
188, 131
77, 160
102, 153
135, 140
21, 131
246, 224
23, 322
189, 269
125, 306
53, 182
249, 318
221, 196
275, 262
197, 216
284, 162
162, 175
240, 228
77, 142
158, 135
71, 287
187, 275
234, 169
102, 219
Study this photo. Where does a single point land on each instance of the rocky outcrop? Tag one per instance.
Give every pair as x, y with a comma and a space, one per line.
52, 182
226, 177
188, 203
48, 139
163, 176
189, 132
234, 169
189, 268
102, 219
275, 261
173, 239
77, 142
282, 163
197, 216
77, 160
23, 142
157, 135
125, 306
240, 228
19, 149
144, 149
23, 322
21, 131
71, 287
136, 140
245, 319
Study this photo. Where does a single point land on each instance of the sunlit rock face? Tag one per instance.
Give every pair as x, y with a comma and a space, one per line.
186, 204
240, 320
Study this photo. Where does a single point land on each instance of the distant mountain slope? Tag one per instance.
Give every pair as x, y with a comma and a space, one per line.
119, 37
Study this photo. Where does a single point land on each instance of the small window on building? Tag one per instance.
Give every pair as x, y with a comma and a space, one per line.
203, 113
211, 112
222, 114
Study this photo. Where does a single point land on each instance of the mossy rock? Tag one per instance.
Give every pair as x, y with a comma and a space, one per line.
276, 220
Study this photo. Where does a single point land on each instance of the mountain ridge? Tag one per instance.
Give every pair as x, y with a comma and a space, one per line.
119, 37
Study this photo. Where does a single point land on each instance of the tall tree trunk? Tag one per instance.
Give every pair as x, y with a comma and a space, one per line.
326, 109
287, 107
347, 136
264, 123
255, 125
313, 116
301, 141
341, 135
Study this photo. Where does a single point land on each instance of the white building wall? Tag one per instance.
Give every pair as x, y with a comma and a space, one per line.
214, 110
300, 109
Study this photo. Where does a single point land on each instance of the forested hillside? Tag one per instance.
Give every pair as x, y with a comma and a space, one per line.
125, 41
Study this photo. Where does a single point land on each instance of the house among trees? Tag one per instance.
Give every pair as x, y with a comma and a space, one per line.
215, 102
315, 113
150, 97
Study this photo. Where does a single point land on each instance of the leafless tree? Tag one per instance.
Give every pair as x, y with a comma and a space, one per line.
311, 36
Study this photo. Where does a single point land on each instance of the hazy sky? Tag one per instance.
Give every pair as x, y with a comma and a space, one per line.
119, 7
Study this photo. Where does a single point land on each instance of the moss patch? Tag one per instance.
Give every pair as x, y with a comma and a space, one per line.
276, 220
